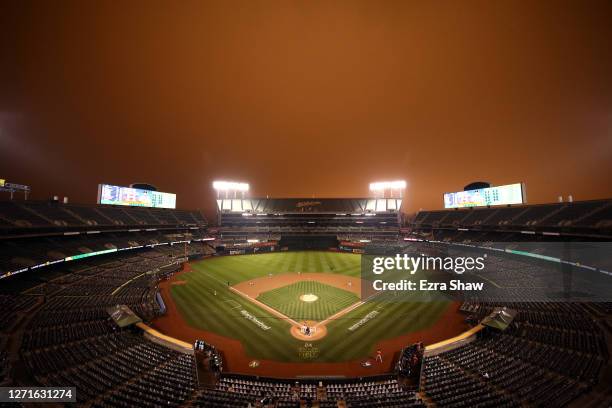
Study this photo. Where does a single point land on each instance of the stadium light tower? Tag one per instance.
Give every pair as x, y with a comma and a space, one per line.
380, 188
229, 187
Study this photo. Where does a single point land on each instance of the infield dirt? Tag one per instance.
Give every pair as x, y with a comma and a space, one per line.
255, 287
238, 361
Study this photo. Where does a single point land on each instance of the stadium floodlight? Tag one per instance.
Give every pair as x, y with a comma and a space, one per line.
230, 186
380, 187
388, 185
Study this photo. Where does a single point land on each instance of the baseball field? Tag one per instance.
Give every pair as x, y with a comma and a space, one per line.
262, 303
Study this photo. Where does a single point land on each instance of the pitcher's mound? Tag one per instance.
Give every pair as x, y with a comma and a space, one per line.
309, 298
316, 333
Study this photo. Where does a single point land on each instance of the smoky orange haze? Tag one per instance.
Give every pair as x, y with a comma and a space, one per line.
307, 98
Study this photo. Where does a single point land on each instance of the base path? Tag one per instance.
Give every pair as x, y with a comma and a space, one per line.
265, 307
255, 287
251, 289
237, 360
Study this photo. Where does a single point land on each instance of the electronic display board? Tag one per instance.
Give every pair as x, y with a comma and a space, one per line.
116, 195
500, 195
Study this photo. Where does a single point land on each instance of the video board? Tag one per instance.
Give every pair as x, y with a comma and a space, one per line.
135, 197
500, 195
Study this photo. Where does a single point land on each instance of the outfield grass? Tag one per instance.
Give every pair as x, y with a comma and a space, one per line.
287, 300
221, 313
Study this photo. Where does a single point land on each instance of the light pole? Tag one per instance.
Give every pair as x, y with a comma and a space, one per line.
228, 188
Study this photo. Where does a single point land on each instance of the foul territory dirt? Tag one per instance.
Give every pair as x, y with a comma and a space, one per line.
173, 324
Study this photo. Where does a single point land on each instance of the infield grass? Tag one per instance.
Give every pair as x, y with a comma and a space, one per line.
287, 300
206, 303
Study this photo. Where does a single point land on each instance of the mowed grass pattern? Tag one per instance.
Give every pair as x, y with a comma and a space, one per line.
287, 300
218, 313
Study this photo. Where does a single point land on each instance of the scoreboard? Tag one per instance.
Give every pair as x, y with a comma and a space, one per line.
136, 197
500, 195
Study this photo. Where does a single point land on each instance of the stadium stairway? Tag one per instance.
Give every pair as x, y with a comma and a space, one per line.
550, 214
520, 214
127, 384
5, 220
426, 400
475, 376
75, 215
19, 372
600, 396
38, 214
594, 211
321, 393
103, 216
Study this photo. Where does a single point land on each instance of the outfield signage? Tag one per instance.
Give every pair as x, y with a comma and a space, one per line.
364, 320
87, 255
255, 320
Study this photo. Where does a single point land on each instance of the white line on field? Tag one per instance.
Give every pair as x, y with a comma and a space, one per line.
266, 307
233, 304
345, 311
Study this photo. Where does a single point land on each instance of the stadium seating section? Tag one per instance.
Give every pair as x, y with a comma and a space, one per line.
271, 219
586, 218
55, 328
52, 215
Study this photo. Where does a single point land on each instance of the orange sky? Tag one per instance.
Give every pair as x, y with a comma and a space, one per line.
304, 98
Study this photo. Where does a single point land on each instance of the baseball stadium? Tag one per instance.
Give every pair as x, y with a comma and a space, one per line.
305, 204
268, 307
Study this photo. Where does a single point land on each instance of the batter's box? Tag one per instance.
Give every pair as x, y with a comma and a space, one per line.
233, 304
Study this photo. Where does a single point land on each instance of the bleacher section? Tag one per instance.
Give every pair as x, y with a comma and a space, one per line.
553, 354
49, 216
19, 254
68, 337
239, 391
271, 219
589, 219
33, 233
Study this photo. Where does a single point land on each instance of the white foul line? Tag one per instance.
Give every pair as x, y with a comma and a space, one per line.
268, 308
